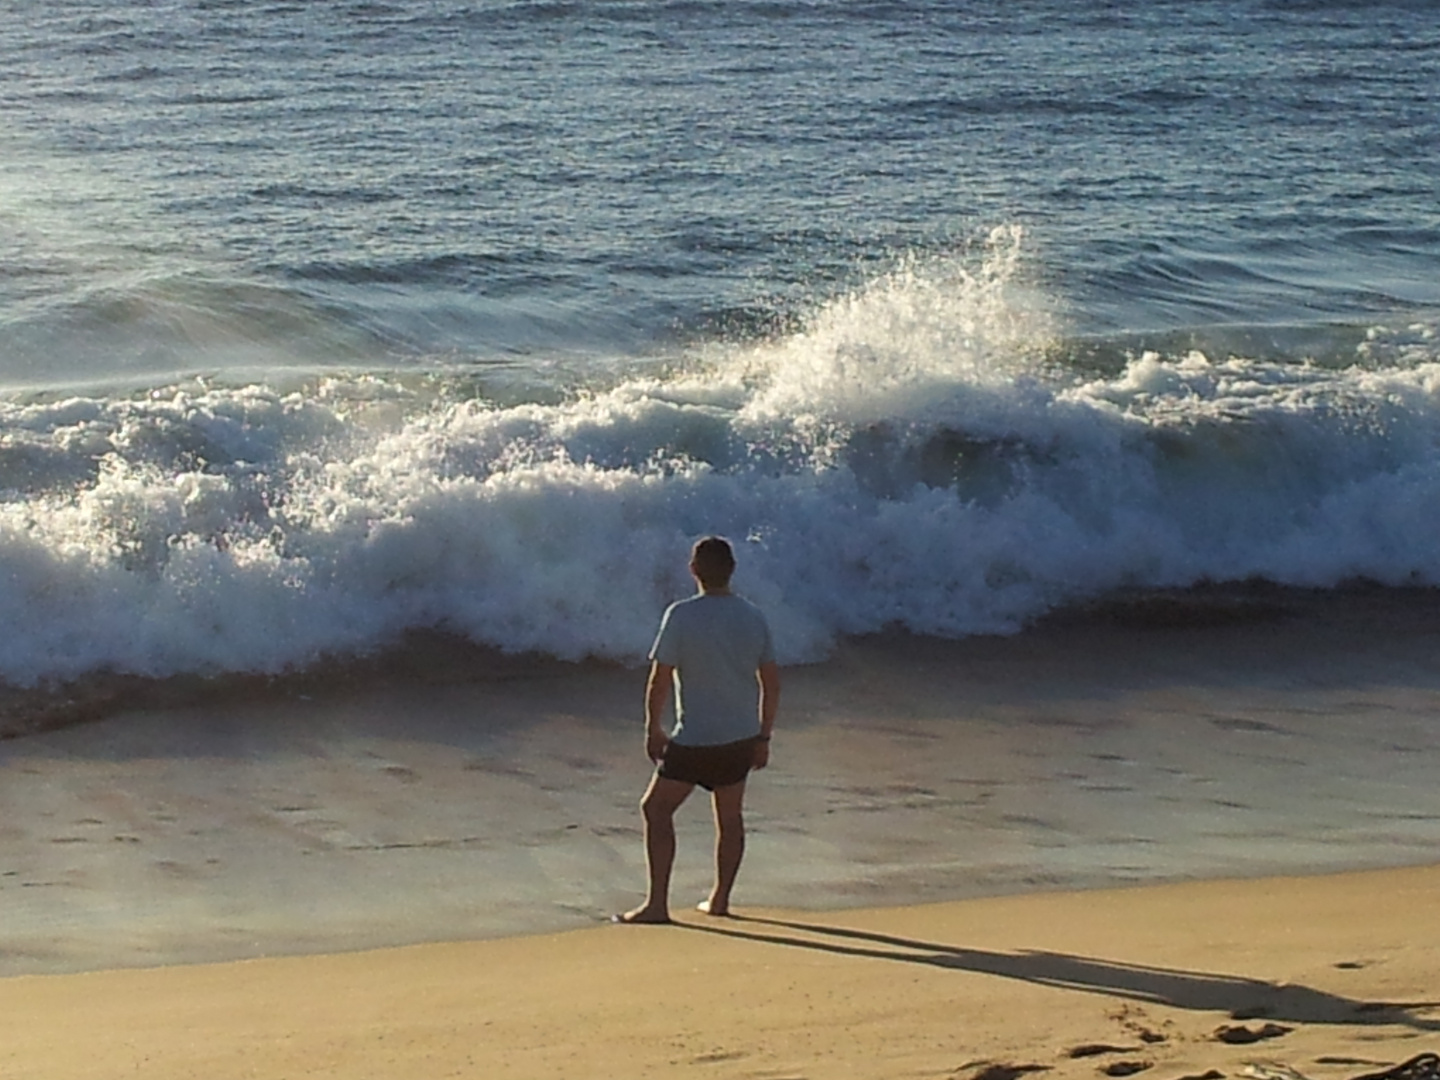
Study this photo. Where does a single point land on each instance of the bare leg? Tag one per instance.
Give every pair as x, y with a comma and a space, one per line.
729, 846
662, 798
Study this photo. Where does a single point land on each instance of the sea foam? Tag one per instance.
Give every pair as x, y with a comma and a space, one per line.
923, 453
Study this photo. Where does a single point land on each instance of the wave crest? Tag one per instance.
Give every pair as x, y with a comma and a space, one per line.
921, 453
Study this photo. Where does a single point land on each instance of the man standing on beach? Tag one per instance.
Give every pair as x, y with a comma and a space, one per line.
713, 648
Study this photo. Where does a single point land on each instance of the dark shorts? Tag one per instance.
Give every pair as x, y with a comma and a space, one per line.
709, 766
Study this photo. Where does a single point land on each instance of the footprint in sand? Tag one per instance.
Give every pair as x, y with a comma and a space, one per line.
1095, 1049
1137, 1023
1239, 1034
714, 1057
1002, 1071
1271, 1070
1126, 1068
1339, 1059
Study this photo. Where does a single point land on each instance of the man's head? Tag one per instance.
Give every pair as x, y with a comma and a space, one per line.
712, 562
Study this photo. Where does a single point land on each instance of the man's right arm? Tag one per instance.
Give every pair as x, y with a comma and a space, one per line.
657, 696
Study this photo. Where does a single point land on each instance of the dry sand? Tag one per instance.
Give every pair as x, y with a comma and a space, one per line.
1332, 976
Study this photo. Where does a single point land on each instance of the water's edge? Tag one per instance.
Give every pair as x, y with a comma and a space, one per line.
438, 658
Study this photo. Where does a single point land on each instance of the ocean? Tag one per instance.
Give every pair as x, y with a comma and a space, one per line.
1067, 375
325, 324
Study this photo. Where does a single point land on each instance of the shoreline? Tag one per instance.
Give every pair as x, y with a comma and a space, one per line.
1253, 609
1331, 977
440, 799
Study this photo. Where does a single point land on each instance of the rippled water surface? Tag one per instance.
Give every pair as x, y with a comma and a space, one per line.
322, 322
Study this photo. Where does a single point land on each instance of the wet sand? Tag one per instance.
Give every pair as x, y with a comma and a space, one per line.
443, 794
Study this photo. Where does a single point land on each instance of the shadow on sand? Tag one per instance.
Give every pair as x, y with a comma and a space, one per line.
1239, 996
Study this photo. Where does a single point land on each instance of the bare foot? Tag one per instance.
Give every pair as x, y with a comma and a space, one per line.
709, 907
642, 916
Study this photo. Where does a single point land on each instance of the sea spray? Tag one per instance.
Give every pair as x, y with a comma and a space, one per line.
928, 452
919, 340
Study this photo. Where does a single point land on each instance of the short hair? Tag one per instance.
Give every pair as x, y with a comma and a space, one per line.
713, 561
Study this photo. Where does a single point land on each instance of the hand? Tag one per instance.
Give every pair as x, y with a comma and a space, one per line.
655, 743
761, 756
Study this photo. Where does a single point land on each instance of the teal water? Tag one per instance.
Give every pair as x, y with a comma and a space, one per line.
321, 323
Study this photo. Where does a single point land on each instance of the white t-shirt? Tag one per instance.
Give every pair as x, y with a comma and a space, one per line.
714, 643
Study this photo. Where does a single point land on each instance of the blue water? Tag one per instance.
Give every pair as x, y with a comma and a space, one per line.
319, 323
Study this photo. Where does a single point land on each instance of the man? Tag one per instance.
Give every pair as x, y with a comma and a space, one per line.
713, 649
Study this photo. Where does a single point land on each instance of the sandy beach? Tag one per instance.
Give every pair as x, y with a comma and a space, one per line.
446, 794
1127, 828
1330, 977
